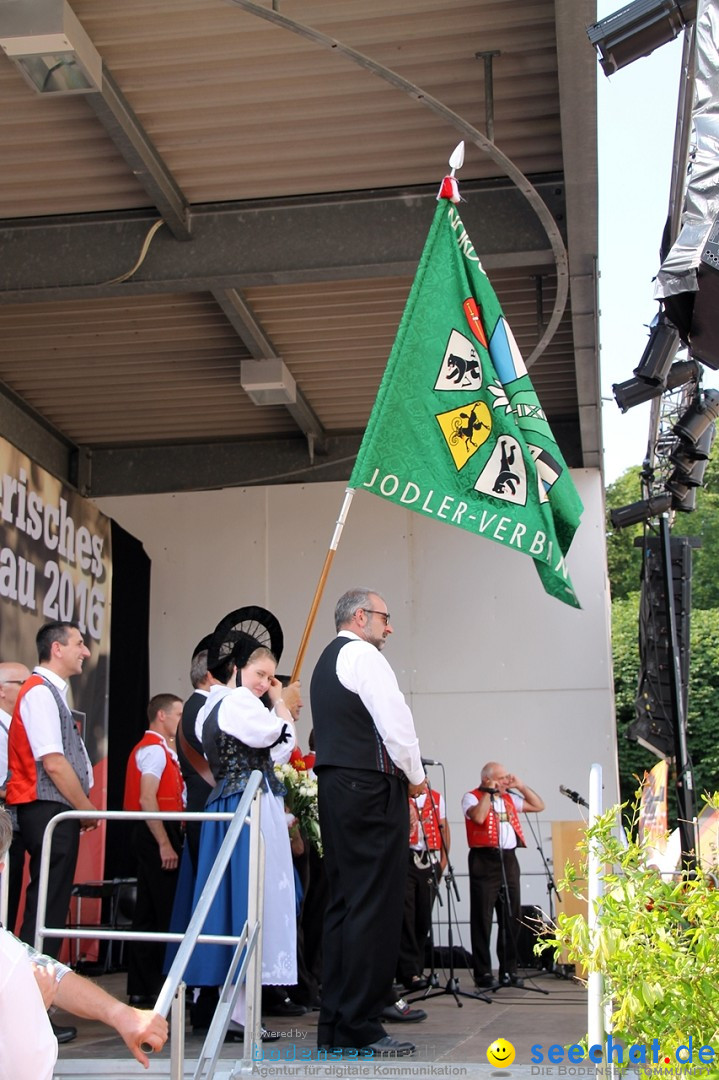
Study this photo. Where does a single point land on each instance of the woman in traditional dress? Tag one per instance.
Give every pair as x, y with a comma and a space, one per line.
240, 734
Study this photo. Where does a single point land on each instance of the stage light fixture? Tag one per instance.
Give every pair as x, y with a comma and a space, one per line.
638, 29
660, 351
682, 372
52, 50
641, 511
701, 415
684, 497
691, 461
636, 391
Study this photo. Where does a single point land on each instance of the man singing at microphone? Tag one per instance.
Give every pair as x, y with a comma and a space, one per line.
491, 814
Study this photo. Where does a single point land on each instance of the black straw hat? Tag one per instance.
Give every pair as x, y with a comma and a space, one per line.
240, 633
202, 646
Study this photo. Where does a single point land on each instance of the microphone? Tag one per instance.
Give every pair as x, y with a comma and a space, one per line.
430, 761
489, 790
573, 795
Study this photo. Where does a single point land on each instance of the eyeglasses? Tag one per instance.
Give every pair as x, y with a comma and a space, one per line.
383, 614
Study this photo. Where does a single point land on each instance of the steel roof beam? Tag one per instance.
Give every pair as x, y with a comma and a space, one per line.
239, 245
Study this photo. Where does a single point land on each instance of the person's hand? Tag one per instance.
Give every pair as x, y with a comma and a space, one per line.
293, 699
514, 782
418, 789
46, 981
168, 856
88, 825
138, 1027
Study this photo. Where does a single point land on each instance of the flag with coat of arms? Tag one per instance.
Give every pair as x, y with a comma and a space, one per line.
457, 432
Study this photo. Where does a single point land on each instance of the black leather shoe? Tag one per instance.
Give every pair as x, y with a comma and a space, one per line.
64, 1034
401, 1013
417, 982
141, 1001
284, 1008
510, 978
486, 982
389, 1047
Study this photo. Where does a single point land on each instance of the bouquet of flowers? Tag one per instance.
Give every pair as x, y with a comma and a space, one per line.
301, 799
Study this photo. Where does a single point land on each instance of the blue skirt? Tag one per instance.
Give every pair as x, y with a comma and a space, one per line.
209, 964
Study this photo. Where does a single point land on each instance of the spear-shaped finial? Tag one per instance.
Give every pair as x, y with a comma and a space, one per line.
456, 160
449, 188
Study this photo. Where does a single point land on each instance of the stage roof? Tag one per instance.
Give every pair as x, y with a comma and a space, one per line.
294, 187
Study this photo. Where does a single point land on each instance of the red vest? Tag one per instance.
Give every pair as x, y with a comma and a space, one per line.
171, 787
27, 780
487, 834
430, 821
22, 783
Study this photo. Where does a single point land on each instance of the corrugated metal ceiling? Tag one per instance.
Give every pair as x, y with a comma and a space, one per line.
238, 109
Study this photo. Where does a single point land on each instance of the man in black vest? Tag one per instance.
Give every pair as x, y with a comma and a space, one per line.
368, 760
198, 788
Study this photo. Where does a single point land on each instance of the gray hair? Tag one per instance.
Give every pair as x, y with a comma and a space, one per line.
198, 668
352, 601
5, 833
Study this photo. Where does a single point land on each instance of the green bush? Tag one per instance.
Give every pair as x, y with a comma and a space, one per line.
656, 943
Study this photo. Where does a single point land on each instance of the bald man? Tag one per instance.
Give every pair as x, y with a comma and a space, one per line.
12, 676
491, 815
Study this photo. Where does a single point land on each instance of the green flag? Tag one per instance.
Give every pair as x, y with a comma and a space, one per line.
457, 432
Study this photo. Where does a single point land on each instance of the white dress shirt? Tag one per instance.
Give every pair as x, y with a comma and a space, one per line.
362, 669
41, 718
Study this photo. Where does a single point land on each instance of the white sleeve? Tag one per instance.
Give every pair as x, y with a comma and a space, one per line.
468, 801
41, 719
362, 669
3, 755
282, 751
28, 1047
151, 760
244, 716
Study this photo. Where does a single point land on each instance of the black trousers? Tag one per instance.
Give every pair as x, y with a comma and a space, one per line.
155, 894
364, 817
488, 869
17, 868
313, 915
33, 819
416, 919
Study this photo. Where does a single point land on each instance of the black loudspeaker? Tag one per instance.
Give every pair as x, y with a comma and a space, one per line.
654, 724
533, 925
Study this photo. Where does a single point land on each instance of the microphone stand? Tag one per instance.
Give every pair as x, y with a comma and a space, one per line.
551, 888
452, 985
506, 923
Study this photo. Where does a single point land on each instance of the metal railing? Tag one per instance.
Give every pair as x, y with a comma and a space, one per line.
243, 968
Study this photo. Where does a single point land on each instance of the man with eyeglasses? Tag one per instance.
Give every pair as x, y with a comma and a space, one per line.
368, 761
12, 676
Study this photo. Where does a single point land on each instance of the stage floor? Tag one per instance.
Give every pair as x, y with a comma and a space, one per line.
452, 1034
